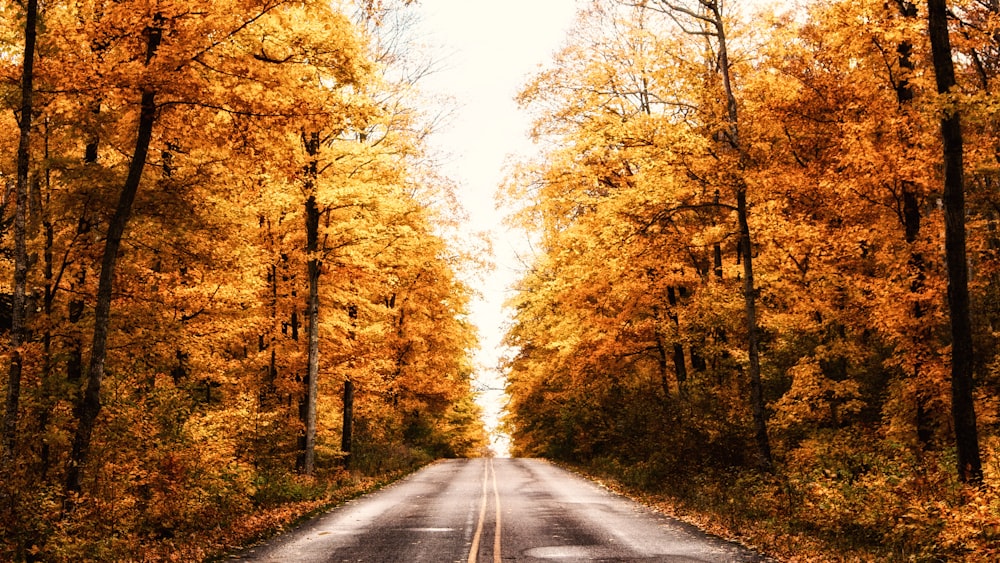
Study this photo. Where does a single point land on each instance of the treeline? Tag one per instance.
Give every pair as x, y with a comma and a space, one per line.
747, 290
228, 278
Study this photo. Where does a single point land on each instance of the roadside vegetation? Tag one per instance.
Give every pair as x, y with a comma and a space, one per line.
233, 286
764, 280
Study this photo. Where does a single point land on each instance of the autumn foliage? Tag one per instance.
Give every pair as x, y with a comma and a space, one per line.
632, 341
245, 150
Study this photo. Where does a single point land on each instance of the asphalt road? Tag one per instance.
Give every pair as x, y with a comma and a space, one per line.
493, 511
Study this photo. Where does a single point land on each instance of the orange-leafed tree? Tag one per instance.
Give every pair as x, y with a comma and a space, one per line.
962, 406
627, 340
18, 326
206, 286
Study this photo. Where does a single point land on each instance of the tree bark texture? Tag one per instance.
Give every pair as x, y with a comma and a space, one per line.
312, 312
307, 406
19, 330
680, 367
90, 403
347, 434
710, 23
911, 216
962, 405
761, 440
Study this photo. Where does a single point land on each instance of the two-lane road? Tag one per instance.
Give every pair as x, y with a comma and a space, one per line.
493, 511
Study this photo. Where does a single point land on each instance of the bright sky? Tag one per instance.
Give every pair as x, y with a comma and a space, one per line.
493, 47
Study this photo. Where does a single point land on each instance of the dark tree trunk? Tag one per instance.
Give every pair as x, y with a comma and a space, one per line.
19, 329
308, 411
76, 306
268, 341
911, 225
717, 246
48, 271
90, 403
753, 338
90, 150
347, 434
765, 460
680, 367
962, 406
661, 363
307, 407
709, 22
45, 411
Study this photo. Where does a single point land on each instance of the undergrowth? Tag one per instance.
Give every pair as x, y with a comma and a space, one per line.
833, 501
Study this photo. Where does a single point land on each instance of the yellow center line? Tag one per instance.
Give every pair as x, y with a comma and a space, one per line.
496, 535
474, 550
478, 536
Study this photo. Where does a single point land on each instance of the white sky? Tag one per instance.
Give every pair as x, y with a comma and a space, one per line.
493, 47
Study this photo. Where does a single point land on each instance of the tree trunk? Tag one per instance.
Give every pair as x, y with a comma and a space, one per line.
312, 312
48, 271
716, 246
47, 400
307, 405
661, 362
680, 367
90, 403
19, 331
962, 406
753, 338
911, 217
709, 22
763, 445
347, 434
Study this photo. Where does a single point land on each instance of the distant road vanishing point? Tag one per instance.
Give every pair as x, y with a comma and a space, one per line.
495, 510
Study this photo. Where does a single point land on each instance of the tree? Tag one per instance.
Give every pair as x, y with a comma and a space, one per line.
632, 242
963, 408
705, 18
633, 206
207, 54
205, 278
90, 404
19, 308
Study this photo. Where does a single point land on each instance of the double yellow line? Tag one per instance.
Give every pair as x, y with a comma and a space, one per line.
474, 550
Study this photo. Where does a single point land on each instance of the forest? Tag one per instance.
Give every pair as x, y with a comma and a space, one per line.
232, 288
764, 270
763, 279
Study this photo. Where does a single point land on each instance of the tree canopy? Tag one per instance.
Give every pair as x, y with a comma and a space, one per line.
723, 194
228, 216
